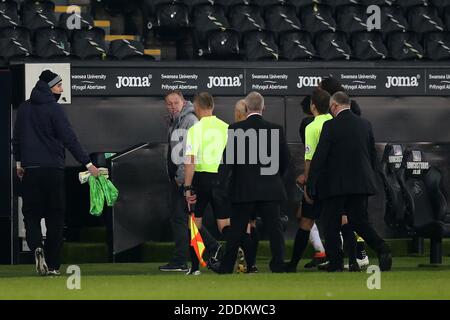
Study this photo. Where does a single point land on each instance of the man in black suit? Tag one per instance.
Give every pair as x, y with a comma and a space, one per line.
342, 174
255, 158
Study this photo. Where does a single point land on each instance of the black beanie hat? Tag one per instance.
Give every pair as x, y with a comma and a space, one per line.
52, 79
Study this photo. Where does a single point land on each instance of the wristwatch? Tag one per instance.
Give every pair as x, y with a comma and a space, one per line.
187, 188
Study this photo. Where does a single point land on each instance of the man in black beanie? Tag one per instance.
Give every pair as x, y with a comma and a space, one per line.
42, 131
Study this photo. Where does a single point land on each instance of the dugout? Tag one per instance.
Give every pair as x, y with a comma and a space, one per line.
115, 106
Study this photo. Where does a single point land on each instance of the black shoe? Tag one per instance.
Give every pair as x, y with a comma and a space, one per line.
174, 267
53, 272
214, 266
252, 269
385, 261
315, 262
354, 267
289, 268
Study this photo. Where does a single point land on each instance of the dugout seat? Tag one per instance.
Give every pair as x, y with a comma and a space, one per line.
122, 49
246, 18
405, 46
395, 206
260, 45
208, 18
282, 18
393, 20
424, 20
437, 45
89, 44
351, 19
426, 203
38, 14
221, 44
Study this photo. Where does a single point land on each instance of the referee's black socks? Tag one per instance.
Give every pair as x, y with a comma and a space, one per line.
300, 243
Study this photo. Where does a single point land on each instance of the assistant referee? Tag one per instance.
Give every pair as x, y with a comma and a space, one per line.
205, 143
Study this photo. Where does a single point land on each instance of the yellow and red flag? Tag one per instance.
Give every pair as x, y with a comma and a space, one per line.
196, 240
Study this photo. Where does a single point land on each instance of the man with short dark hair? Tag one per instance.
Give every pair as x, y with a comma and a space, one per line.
342, 176
42, 131
320, 101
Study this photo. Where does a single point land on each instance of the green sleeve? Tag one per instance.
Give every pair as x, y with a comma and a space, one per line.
310, 142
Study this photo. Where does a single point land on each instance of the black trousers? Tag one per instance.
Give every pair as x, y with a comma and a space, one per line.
43, 192
179, 222
355, 206
241, 214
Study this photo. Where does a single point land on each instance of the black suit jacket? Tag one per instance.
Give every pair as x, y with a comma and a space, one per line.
247, 182
345, 160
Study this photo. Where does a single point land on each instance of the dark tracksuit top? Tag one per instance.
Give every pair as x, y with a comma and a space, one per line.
42, 132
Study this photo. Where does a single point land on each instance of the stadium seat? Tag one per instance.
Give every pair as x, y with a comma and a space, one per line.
378, 2
440, 3
368, 46
437, 45
426, 204
393, 20
88, 44
15, 43
317, 18
268, 3
123, 49
351, 18
172, 16
395, 205
412, 3
339, 3
222, 44
425, 19
51, 43
68, 21
297, 46
246, 18
260, 45
282, 18
208, 18
8, 15
333, 46
36, 15
405, 46
305, 3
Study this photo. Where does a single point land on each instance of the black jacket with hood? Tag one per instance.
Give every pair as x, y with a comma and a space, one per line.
42, 131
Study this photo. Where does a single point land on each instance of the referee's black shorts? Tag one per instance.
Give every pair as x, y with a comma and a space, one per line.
311, 211
208, 191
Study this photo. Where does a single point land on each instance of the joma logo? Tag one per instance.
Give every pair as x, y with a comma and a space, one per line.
412, 81
133, 82
308, 82
215, 82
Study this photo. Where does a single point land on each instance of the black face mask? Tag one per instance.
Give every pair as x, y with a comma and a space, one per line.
57, 96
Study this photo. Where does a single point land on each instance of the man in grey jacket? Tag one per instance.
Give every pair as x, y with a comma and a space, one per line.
181, 118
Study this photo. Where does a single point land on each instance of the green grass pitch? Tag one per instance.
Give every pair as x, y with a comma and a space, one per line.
144, 281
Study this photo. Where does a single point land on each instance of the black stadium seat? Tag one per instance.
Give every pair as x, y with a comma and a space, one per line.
36, 15
208, 18
395, 205
351, 18
222, 44
260, 45
172, 16
51, 43
393, 20
412, 3
304, 3
246, 18
333, 46
8, 15
378, 2
15, 43
437, 45
123, 49
296, 46
89, 44
338, 3
317, 18
282, 18
368, 46
405, 46
425, 19
426, 204
440, 3
69, 21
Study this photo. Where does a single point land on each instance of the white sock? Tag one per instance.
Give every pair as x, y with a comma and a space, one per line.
315, 240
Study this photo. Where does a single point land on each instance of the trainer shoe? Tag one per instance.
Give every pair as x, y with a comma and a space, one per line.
53, 272
192, 272
171, 267
363, 263
318, 259
252, 269
41, 265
